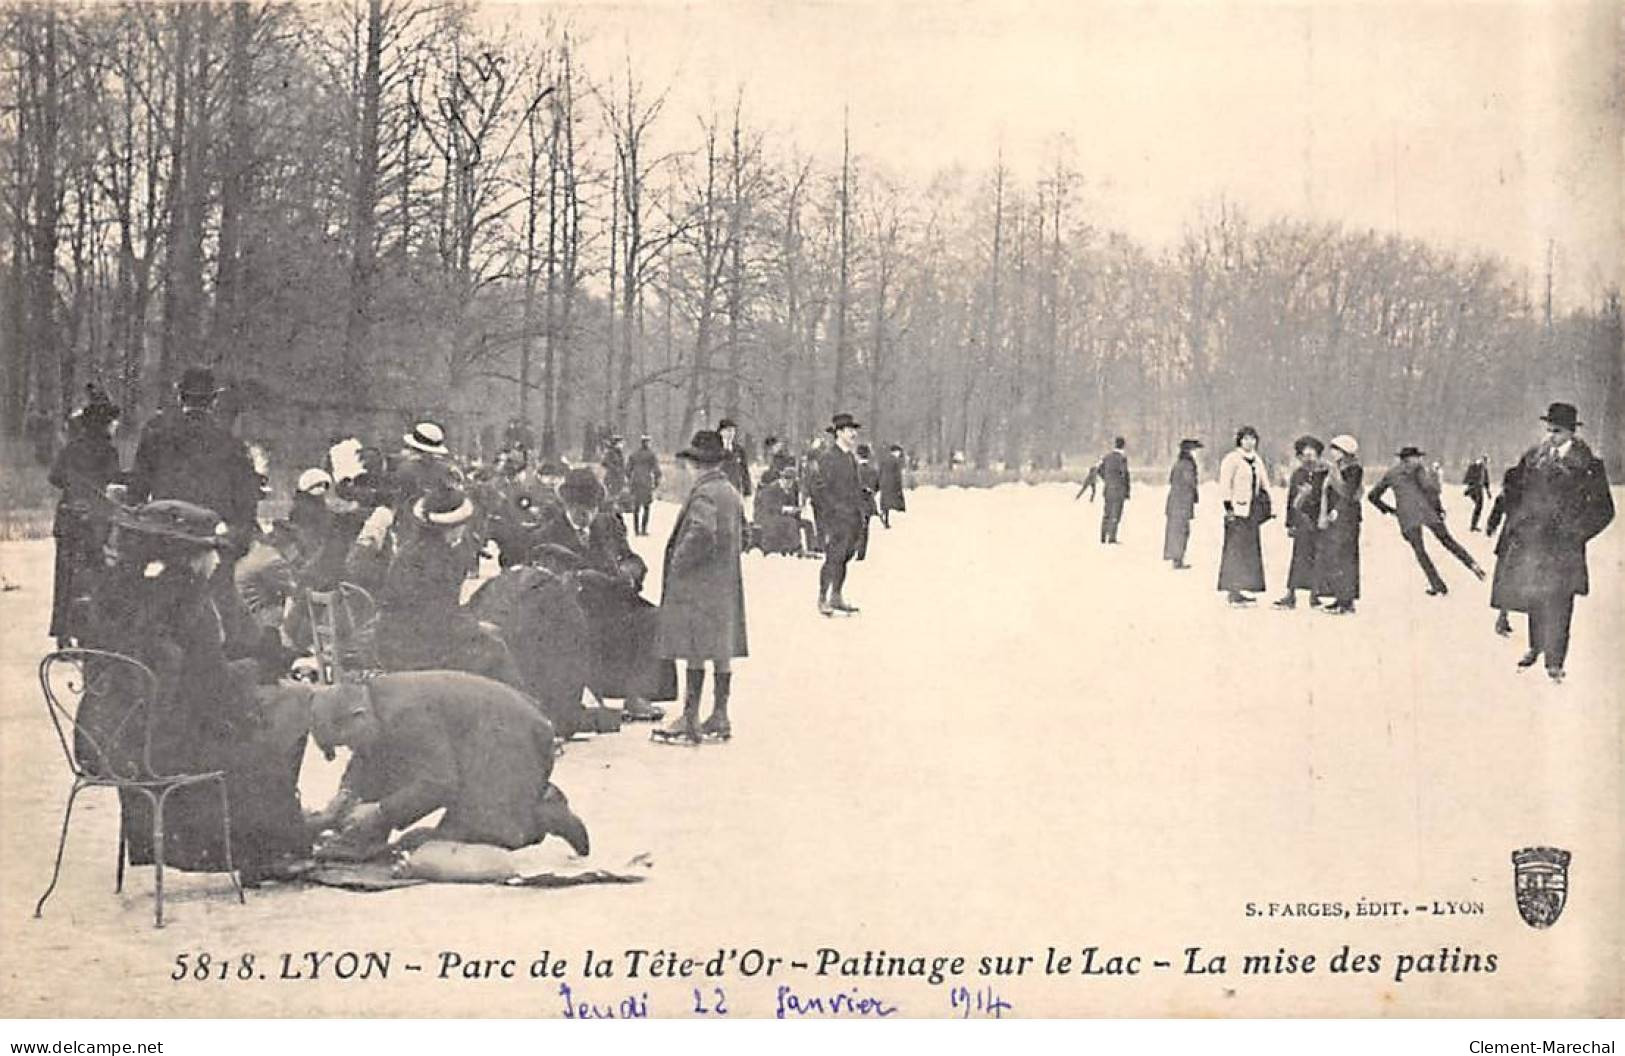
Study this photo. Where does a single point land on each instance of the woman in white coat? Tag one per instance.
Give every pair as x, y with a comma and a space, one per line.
1244, 490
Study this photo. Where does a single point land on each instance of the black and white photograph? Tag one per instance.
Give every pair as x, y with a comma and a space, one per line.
811, 510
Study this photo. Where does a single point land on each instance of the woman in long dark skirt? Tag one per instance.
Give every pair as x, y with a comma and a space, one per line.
1337, 557
1303, 500
1244, 490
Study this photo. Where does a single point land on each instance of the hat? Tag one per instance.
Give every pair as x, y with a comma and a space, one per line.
1189, 444
1562, 415
197, 383
444, 507
644, 438
727, 423
428, 438
844, 421
312, 479
581, 488
1307, 441
706, 448
1346, 444
1410, 451
174, 519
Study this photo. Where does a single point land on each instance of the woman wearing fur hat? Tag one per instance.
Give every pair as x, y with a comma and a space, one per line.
1337, 555
702, 605
83, 469
156, 606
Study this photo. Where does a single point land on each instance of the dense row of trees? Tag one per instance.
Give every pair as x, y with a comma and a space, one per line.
385, 203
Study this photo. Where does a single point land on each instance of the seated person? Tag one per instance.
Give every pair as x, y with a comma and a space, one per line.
588, 538
777, 513
432, 740
422, 624
156, 606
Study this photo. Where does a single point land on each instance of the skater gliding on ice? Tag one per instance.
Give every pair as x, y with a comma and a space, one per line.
1418, 506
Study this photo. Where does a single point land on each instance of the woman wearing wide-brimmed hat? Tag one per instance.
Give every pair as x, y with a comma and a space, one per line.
422, 624
1244, 490
702, 604
155, 605
83, 469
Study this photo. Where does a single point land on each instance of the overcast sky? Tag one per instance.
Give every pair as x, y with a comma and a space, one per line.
1476, 125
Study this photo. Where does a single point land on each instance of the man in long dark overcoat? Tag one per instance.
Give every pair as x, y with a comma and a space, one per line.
702, 604
643, 479
1115, 487
840, 506
1563, 502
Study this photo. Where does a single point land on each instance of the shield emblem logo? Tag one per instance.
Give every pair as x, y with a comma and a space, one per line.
1540, 879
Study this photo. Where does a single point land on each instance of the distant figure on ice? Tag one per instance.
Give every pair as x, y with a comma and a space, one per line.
1091, 481
869, 479
1337, 550
83, 469
1511, 490
702, 605
1564, 503
1303, 504
1478, 486
1417, 503
1114, 475
615, 480
891, 484
1244, 490
643, 479
840, 504
1183, 495
737, 464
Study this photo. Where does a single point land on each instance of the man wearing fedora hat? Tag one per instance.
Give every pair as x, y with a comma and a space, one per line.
1562, 502
841, 510
1183, 495
1417, 505
702, 603
421, 621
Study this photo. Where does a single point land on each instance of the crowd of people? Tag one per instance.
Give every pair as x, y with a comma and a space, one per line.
1552, 501
450, 687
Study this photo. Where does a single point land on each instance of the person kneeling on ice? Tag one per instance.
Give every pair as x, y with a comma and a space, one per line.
423, 741
702, 604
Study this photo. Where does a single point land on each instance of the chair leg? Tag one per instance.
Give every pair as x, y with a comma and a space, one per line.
158, 856
225, 818
118, 878
61, 844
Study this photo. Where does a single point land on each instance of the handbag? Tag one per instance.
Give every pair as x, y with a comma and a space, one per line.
1261, 509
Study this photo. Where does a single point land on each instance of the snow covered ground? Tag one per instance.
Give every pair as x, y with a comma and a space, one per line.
1025, 740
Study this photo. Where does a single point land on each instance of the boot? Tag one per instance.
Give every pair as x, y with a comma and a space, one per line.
1478, 570
557, 819
839, 604
685, 729
1528, 659
716, 727
1503, 626
636, 709
1289, 600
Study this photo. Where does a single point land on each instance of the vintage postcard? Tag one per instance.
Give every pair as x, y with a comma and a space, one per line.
811, 510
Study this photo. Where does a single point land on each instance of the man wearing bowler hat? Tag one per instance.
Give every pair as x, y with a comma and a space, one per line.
737, 465
1563, 502
1418, 506
842, 505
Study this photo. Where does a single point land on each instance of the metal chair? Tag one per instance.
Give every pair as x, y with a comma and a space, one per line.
343, 623
103, 706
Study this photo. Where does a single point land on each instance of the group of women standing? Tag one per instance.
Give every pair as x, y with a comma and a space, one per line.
1322, 517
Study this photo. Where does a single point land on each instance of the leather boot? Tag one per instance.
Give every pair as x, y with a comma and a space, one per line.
685, 729
716, 726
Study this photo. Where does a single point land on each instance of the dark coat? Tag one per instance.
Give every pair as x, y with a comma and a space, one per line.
737, 467
777, 519
1477, 479
83, 469
1304, 493
209, 716
1184, 490
544, 626
1416, 495
837, 491
421, 622
188, 455
614, 463
1114, 475
643, 474
702, 604
891, 483
609, 577
1562, 502
1337, 552
480, 750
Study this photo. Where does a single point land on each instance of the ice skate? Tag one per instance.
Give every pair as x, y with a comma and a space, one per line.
1528, 659
716, 728
682, 730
